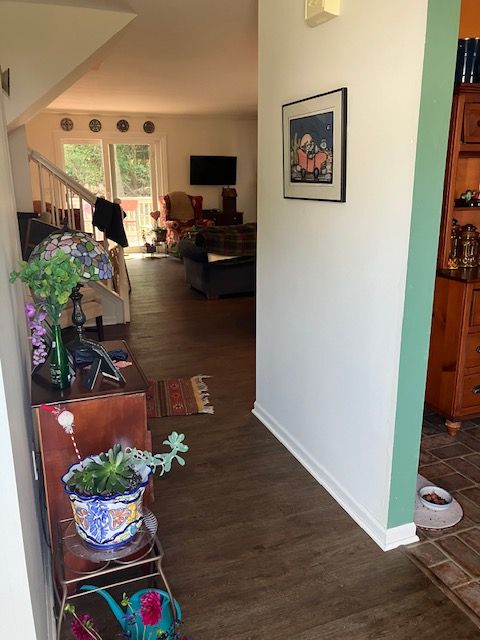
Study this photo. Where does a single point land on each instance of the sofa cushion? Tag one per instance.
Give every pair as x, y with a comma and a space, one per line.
181, 206
235, 240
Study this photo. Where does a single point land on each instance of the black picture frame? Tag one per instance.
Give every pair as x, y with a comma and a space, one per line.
315, 147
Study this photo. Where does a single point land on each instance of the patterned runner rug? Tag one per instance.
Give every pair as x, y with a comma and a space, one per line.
178, 397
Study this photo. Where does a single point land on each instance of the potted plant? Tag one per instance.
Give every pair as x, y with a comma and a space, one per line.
159, 231
149, 247
160, 234
106, 490
51, 282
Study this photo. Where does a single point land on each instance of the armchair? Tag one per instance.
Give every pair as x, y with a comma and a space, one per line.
179, 213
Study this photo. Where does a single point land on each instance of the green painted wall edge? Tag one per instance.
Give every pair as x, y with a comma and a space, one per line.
435, 106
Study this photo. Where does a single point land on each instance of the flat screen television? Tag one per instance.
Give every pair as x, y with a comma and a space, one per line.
213, 170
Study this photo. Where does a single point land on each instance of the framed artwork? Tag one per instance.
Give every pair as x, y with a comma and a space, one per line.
314, 147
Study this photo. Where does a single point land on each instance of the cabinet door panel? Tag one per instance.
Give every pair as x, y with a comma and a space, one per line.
471, 391
471, 122
472, 350
475, 309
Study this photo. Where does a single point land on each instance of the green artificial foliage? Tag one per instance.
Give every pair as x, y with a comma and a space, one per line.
51, 281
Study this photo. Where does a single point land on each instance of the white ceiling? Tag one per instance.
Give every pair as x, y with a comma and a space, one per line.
175, 57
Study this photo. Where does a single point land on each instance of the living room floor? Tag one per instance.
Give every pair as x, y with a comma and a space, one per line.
255, 548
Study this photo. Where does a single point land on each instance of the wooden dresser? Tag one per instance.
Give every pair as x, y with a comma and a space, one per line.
453, 379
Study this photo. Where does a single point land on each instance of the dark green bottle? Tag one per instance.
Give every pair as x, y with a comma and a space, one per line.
59, 369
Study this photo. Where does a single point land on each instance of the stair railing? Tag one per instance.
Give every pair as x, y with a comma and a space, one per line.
66, 200
60, 191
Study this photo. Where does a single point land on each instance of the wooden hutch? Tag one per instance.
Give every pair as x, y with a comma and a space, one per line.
453, 379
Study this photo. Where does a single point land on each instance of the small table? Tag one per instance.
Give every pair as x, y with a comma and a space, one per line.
145, 546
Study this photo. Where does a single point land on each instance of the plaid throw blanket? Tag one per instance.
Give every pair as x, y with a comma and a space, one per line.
237, 240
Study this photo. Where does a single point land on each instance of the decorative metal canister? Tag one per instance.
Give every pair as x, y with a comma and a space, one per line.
469, 255
455, 245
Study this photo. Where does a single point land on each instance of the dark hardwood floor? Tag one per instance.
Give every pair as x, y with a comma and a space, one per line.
255, 548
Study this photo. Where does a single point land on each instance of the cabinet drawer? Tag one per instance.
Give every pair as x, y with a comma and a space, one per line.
472, 350
471, 391
471, 122
475, 309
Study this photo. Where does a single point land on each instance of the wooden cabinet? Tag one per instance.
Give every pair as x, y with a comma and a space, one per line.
453, 379
108, 414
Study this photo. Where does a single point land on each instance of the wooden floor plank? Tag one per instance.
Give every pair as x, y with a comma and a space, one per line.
256, 549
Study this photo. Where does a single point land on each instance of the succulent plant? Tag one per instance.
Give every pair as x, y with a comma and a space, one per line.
111, 474
120, 469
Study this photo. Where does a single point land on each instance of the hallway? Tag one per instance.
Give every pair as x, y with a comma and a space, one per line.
255, 548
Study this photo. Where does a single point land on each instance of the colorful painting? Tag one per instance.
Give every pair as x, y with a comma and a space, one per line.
311, 148
314, 147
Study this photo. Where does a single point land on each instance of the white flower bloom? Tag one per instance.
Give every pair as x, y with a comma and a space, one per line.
65, 420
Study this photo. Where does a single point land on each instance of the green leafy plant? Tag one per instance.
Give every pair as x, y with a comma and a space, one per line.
120, 469
51, 281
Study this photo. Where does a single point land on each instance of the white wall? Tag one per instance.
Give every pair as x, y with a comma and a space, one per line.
185, 136
17, 142
23, 592
330, 304
47, 47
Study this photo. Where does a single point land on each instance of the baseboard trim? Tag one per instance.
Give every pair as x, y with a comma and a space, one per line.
387, 539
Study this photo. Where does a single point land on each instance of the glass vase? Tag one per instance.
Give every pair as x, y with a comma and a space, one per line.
59, 367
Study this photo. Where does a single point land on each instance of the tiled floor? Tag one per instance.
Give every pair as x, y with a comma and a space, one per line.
452, 556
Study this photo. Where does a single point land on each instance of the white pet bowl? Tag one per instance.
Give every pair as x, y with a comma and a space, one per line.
441, 493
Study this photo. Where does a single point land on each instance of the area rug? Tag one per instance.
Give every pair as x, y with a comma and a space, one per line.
178, 397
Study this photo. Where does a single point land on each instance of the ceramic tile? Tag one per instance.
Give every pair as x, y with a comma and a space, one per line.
465, 467
470, 509
470, 439
426, 457
435, 469
469, 424
429, 429
452, 482
450, 574
470, 594
438, 534
468, 559
472, 494
472, 538
450, 451
427, 553
439, 440
474, 458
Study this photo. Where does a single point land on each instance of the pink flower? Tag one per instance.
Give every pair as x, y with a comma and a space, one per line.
150, 608
78, 627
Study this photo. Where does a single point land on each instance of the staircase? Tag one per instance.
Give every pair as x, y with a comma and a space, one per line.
63, 199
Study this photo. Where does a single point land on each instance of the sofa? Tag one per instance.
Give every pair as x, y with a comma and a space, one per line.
221, 261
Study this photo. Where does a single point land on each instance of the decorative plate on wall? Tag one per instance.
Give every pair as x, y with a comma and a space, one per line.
95, 125
122, 125
148, 126
66, 124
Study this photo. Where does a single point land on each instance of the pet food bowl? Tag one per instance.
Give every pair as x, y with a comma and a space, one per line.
441, 493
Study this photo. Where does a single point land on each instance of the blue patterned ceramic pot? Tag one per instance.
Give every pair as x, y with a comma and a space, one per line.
107, 523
